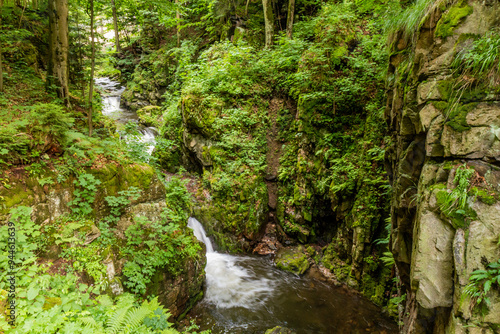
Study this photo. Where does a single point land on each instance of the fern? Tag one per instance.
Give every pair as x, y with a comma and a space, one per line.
115, 322
136, 316
128, 319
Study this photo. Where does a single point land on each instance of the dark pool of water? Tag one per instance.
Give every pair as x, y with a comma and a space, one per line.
304, 305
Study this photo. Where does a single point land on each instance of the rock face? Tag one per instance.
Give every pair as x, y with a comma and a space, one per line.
436, 130
176, 292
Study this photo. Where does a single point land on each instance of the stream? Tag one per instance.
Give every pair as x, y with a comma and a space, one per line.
111, 96
248, 294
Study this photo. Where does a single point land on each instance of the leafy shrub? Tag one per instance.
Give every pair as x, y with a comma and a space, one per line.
84, 194
151, 246
118, 203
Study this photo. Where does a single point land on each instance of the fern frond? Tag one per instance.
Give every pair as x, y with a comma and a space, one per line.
136, 316
115, 322
105, 300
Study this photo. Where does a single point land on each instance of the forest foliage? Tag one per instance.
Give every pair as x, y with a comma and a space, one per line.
217, 74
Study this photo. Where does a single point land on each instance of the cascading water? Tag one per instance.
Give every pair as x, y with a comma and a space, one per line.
111, 108
247, 294
228, 283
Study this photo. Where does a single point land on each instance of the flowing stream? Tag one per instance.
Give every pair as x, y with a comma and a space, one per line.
247, 294
111, 96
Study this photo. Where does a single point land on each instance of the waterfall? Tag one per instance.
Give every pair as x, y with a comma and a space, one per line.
199, 233
111, 108
229, 284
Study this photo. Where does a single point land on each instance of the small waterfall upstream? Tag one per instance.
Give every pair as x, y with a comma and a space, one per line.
111, 107
247, 294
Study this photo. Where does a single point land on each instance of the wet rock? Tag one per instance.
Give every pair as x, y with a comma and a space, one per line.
279, 330
292, 259
150, 116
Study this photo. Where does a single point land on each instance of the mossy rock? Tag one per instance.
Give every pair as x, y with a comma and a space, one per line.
293, 260
445, 89
150, 116
457, 116
301, 233
451, 18
279, 330
487, 197
51, 302
3, 301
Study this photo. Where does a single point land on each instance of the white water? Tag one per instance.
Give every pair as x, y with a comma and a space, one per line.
111, 107
228, 283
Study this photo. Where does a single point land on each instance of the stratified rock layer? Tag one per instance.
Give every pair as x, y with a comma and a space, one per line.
434, 256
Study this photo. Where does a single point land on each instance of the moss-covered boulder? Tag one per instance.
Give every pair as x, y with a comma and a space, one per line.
292, 259
279, 330
150, 116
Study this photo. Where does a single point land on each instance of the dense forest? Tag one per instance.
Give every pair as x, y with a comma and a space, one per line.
343, 157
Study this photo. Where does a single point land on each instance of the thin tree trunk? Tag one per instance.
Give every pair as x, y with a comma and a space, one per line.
246, 9
115, 25
91, 84
178, 17
289, 18
58, 64
1, 65
80, 56
22, 14
269, 21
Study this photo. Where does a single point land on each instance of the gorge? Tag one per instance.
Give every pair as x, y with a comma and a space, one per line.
285, 166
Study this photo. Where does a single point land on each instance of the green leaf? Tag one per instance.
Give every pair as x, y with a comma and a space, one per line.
487, 286
32, 293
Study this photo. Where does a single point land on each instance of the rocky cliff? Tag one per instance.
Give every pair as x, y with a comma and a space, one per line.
444, 166
51, 203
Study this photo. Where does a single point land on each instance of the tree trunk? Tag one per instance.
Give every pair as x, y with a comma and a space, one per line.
289, 18
80, 56
92, 67
58, 64
1, 65
115, 25
269, 21
178, 17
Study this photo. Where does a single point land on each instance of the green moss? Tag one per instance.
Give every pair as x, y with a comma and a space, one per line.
14, 197
293, 260
450, 19
440, 105
445, 89
457, 118
150, 115
50, 302
488, 198
476, 93
3, 301
279, 330
191, 303
296, 230
307, 215
438, 186
138, 175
